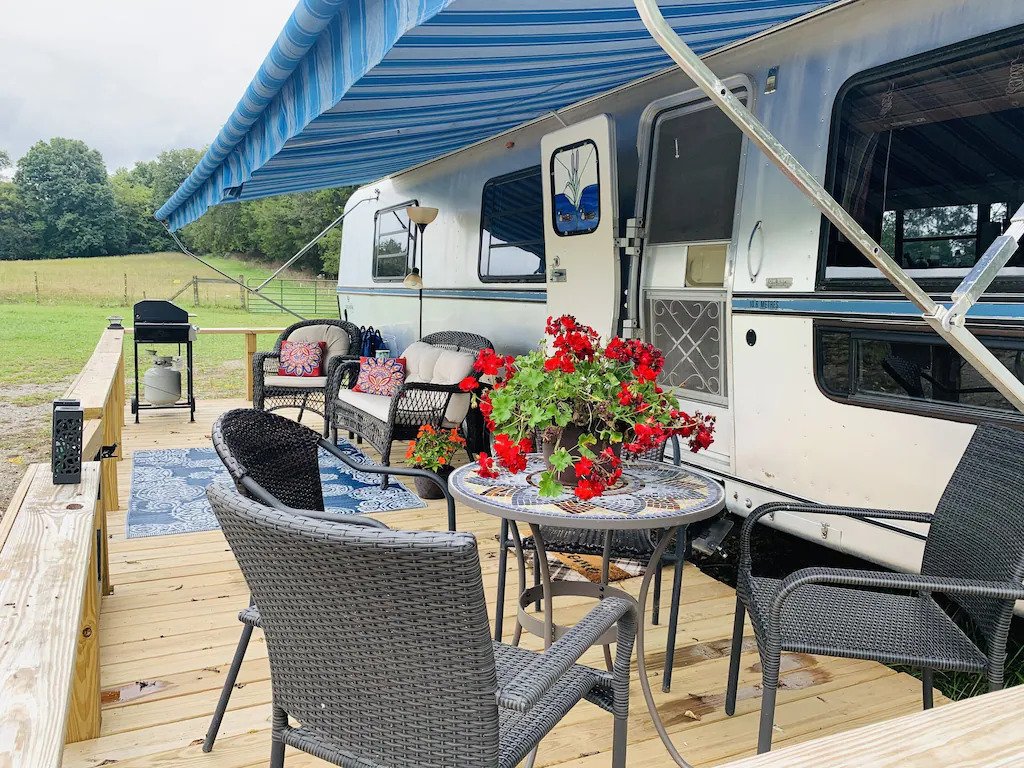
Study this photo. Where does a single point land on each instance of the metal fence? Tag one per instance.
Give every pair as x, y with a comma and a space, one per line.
306, 297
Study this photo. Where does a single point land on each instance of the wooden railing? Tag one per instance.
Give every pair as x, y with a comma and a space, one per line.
53, 571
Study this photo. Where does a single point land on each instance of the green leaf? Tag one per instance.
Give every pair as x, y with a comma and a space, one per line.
561, 459
584, 451
548, 486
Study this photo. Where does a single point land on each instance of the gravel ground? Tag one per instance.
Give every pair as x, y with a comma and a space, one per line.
24, 431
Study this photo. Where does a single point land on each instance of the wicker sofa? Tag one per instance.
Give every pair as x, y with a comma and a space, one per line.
272, 392
430, 395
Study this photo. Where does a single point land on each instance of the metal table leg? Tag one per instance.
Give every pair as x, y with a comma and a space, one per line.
641, 663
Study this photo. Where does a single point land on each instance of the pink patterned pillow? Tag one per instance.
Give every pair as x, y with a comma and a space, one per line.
302, 358
380, 376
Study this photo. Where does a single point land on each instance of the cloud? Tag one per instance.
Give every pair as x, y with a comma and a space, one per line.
129, 77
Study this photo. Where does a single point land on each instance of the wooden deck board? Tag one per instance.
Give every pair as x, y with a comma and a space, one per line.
169, 631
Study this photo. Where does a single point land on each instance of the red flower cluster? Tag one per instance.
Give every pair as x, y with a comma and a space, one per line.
646, 358
572, 339
594, 478
512, 456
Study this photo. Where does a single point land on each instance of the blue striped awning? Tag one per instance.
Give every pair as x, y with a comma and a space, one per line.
354, 90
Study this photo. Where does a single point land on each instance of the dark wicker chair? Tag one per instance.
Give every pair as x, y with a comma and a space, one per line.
271, 392
633, 544
276, 461
381, 650
415, 404
974, 556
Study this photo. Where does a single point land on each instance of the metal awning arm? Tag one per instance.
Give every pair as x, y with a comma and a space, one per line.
937, 316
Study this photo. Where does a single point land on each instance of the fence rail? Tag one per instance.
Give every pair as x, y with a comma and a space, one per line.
307, 297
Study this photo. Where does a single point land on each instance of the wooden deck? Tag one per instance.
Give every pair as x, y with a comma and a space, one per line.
169, 630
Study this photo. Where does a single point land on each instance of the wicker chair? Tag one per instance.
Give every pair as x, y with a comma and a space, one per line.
381, 420
632, 544
974, 556
381, 648
276, 461
271, 392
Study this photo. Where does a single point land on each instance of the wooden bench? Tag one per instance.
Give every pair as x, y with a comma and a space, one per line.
49, 618
983, 730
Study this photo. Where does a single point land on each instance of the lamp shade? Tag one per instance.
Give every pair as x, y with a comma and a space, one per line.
421, 215
413, 280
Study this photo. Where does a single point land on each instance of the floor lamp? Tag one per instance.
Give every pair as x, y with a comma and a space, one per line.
420, 216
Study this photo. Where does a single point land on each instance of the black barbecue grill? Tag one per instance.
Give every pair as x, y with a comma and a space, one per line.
161, 322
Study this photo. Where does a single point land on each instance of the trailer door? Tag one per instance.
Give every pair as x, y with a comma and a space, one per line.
688, 203
581, 223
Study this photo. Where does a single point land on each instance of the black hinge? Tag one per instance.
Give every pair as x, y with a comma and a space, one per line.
108, 451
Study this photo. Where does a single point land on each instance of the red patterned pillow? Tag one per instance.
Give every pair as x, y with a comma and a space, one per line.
380, 376
302, 358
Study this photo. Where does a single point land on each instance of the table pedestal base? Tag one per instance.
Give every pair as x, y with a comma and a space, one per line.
536, 625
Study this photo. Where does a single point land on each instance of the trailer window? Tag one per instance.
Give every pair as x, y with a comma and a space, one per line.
392, 237
575, 189
911, 371
696, 167
925, 157
512, 228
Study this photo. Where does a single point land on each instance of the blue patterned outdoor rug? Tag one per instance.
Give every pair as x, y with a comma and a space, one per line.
169, 490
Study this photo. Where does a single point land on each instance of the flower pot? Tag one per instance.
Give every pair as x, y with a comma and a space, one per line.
428, 490
570, 437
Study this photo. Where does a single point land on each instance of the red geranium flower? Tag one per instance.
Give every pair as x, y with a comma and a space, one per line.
468, 384
486, 464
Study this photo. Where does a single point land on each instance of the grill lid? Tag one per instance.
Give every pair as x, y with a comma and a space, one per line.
153, 311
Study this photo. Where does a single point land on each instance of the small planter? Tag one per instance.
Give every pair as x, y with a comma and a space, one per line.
428, 490
571, 436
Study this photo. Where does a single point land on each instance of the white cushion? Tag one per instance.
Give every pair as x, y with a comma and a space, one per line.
336, 339
303, 382
427, 364
377, 406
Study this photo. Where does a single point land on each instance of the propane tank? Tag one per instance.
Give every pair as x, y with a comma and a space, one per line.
162, 382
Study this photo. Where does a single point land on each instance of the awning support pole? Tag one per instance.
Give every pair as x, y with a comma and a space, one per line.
936, 315
315, 240
205, 263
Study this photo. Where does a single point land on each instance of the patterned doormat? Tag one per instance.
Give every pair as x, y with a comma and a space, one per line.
168, 493
565, 566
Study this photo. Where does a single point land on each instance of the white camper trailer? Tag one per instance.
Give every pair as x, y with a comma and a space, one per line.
643, 212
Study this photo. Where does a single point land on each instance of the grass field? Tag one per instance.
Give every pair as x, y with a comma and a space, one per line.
121, 280
46, 336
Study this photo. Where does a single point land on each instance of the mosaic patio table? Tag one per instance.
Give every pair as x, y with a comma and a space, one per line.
650, 495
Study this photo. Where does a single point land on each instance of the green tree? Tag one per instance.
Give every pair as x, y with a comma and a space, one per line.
168, 171
134, 200
65, 187
5, 160
19, 232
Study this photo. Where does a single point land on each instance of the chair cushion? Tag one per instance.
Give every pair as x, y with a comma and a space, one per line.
296, 382
377, 406
335, 338
380, 376
302, 358
427, 364
861, 624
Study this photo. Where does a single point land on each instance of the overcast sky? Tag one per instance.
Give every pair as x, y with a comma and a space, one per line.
129, 77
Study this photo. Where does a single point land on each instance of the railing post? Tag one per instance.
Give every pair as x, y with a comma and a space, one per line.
250, 352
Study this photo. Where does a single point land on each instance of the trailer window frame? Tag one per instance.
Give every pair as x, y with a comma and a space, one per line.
410, 241
485, 250
939, 285
999, 338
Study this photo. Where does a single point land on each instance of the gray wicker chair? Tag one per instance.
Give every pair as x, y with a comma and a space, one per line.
974, 556
416, 404
379, 647
271, 392
276, 461
633, 544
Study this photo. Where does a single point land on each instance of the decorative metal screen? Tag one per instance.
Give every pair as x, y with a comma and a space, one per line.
691, 333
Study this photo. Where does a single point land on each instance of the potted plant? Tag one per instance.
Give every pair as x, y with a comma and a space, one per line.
586, 403
433, 449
